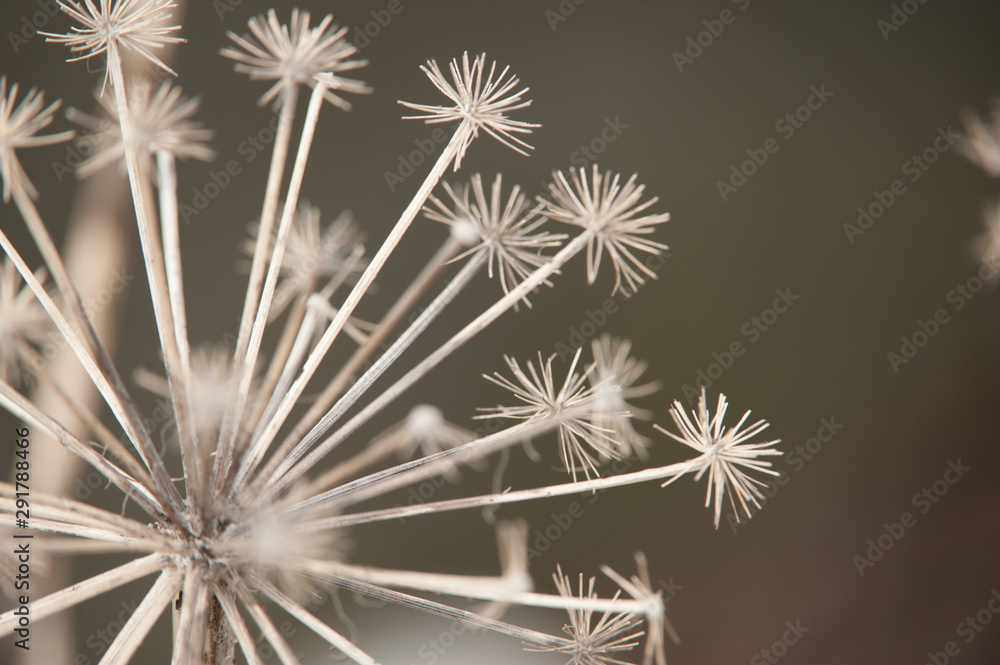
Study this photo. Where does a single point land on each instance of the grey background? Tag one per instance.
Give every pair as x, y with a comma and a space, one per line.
824, 358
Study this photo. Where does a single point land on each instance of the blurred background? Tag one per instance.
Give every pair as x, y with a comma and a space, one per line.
835, 102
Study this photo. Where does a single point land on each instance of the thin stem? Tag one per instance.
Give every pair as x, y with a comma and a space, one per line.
303, 335
23, 408
362, 384
278, 643
143, 618
334, 638
366, 457
389, 395
361, 288
90, 420
402, 512
118, 527
279, 359
72, 529
409, 473
152, 251
478, 588
347, 373
9, 490
101, 370
262, 247
319, 571
190, 459
245, 365
189, 639
78, 593
238, 625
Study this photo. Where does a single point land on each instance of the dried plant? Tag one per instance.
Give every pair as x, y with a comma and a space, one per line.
252, 520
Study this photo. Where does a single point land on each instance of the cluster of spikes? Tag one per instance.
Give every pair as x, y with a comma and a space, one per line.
269, 487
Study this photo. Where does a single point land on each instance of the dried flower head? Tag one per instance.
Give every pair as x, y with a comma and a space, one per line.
19, 127
294, 54
986, 246
583, 445
314, 253
212, 386
23, 323
135, 25
594, 643
611, 210
160, 122
726, 454
982, 144
479, 104
508, 233
653, 610
613, 378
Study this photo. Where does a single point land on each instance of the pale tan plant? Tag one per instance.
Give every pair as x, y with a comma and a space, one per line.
251, 523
